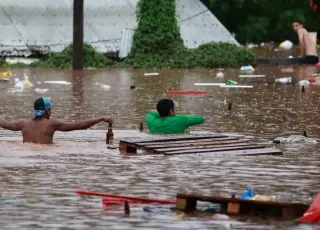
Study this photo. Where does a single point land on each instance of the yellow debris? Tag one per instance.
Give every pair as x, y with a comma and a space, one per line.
6, 74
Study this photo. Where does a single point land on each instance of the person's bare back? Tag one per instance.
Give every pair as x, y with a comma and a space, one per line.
37, 131
40, 130
308, 43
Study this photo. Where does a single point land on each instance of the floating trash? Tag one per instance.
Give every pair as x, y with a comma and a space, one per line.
6, 74
37, 90
19, 85
26, 82
248, 194
106, 87
230, 82
286, 45
284, 80
3, 202
236, 86
156, 209
247, 68
209, 84
294, 139
151, 74
220, 75
264, 198
251, 76
304, 82
58, 82
220, 217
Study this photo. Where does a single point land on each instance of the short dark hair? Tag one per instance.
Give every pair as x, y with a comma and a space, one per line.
164, 106
298, 21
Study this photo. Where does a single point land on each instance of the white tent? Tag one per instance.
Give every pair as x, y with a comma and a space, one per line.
46, 25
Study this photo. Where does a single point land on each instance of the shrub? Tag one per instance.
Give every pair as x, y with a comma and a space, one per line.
63, 59
211, 55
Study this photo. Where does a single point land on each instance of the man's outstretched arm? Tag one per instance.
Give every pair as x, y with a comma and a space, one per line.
13, 126
85, 124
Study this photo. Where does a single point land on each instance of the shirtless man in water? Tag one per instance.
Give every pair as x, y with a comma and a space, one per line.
308, 49
40, 129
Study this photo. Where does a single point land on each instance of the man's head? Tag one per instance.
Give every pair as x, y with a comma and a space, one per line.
42, 107
297, 25
165, 108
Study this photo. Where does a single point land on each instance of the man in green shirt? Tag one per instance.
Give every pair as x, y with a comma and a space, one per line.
165, 121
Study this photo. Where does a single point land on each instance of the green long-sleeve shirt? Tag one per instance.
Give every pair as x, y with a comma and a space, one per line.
171, 125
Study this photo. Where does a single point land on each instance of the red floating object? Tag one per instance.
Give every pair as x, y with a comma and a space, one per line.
190, 92
312, 215
131, 198
312, 79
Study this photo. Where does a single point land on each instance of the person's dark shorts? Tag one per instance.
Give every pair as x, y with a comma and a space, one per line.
309, 59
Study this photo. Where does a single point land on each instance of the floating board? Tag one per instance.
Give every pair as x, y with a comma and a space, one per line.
316, 74
4, 79
209, 84
252, 75
187, 92
277, 60
236, 86
236, 206
37, 90
58, 82
151, 74
132, 198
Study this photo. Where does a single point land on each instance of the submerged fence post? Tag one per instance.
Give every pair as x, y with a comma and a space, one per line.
77, 60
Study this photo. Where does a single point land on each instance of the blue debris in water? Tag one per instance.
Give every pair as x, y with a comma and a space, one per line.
156, 209
248, 194
212, 208
11, 202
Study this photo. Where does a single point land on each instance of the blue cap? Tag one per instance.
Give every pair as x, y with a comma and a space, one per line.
41, 105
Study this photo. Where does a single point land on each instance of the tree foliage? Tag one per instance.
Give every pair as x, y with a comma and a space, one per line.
158, 30
157, 42
264, 20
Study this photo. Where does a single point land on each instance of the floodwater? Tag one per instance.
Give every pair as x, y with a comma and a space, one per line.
45, 177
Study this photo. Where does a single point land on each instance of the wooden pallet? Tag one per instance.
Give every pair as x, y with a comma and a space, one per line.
234, 206
218, 144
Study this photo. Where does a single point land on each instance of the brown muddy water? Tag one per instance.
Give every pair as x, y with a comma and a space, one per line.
45, 178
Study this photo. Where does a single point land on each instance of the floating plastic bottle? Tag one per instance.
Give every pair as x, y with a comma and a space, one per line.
18, 84
247, 68
304, 82
284, 80
286, 45
220, 75
230, 82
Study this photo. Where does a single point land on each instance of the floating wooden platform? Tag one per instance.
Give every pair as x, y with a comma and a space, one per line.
235, 206
277, 60
218, 144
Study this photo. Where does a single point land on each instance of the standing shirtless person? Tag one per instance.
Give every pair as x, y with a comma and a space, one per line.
40, 129
308, 49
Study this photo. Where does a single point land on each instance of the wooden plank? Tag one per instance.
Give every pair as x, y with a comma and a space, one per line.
165, 143
249, 152
220, 149
235, 141
160, 139
127, 147
204, 146
248, 207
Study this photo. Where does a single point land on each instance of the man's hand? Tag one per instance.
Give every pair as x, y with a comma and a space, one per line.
107, 120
